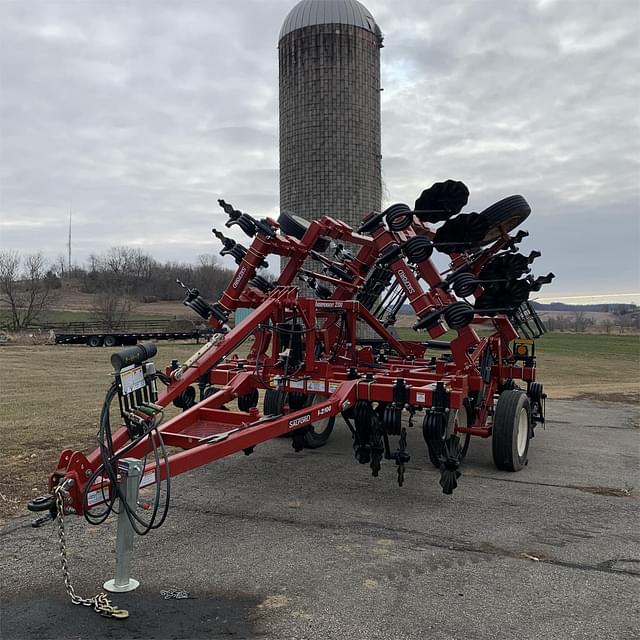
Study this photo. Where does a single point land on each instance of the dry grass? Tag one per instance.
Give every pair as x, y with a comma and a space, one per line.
51, 399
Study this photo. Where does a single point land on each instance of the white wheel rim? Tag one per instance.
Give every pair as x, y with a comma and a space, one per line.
320, 427
458, 418
523, 432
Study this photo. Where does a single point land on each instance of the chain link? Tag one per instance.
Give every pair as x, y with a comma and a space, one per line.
100, 602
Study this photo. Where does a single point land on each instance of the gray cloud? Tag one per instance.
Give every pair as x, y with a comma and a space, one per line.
145, 113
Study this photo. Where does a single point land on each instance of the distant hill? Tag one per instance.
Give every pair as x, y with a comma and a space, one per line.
603, 308
616, 308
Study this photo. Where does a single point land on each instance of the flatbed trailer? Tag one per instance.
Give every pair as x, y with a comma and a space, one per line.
94, 334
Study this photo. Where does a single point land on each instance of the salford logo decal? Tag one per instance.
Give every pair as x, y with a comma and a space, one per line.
298, 422
236, 282
405, 281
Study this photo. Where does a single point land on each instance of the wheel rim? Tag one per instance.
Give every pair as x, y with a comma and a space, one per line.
459, 420
523, 432
320, 427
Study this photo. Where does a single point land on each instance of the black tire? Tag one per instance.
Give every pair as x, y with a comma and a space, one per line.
110, 341
466, 414
248, 401
511, 430
504, 216
273, 402
535, 391
208, 392
94, 341
465, 438
296, 226
318, 433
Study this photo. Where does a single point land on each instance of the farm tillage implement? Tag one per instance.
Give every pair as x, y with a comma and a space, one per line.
323, 345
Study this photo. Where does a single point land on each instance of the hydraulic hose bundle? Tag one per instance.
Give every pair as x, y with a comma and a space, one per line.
134, 385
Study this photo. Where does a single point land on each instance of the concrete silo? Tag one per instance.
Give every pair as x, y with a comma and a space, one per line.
329, 55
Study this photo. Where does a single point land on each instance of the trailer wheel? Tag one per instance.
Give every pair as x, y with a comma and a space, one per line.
511, 430
319, 432
248, 401
296, 226
208, 392
272, 405
273, 402
110, 341
461, 418
504, 216
94, 341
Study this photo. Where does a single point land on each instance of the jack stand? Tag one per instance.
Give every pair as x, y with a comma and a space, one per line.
130, 470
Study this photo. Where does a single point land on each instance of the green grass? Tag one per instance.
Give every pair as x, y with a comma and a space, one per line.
596, 345
57, 317
571, 365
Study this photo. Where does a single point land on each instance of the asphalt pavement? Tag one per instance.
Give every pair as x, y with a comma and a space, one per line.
286, 545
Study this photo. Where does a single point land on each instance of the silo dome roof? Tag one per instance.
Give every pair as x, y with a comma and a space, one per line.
310, 12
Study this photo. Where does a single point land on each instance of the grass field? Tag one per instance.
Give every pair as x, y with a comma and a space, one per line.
59, 317
52, 395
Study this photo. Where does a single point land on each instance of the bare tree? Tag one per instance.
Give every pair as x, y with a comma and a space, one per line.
24, 287
112, 308
607, 323
581, 321
60, 265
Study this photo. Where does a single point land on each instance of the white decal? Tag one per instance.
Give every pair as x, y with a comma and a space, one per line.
296, 384
324, 410
421, 397
299, 421
315, 385
131, 379
333, 387
98, 496
236, 282
148, 478
405, 280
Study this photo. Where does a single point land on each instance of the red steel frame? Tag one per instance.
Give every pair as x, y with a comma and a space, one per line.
329, 378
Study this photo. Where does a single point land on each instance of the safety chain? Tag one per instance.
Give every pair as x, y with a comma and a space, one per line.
100, 602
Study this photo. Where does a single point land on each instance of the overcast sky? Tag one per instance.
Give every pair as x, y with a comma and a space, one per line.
144, 113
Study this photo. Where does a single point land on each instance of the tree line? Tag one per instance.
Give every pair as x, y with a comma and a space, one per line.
117, 279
